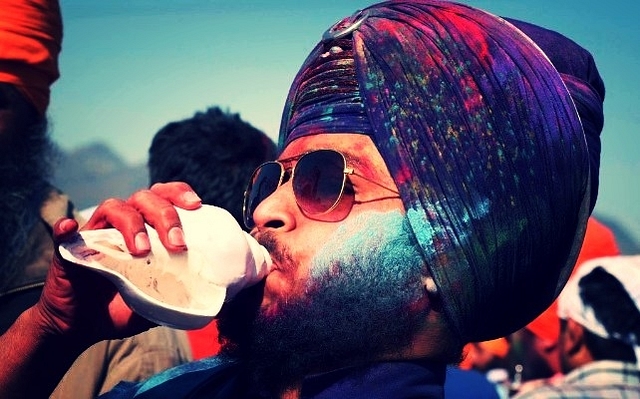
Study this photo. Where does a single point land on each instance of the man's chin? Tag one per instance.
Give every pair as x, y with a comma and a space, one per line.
268, 309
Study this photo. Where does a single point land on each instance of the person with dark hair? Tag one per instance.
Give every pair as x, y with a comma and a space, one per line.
534, 348
529, 357
30, 41
432, 189
599, 344
215, 152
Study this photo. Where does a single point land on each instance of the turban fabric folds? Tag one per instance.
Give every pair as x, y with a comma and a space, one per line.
580, 74
481, 135
30, 41
327, 96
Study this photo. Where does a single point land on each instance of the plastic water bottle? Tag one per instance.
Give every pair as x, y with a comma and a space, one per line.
182, 290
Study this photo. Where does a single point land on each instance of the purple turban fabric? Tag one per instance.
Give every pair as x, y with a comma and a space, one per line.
483, 137
580, 74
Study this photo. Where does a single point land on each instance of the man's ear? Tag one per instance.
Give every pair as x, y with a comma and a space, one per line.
429, 285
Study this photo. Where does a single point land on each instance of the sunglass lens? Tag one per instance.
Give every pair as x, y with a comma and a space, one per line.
264, 182
318, 181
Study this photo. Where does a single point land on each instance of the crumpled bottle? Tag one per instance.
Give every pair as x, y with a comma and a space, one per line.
182, 290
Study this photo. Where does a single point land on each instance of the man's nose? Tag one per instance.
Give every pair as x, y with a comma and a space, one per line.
278, 211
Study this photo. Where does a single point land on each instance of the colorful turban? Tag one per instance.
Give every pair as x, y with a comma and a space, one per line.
30, 41
481, 135
599, 241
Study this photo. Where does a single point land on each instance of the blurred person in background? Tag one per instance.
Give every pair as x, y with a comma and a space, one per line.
599, 340
529, 356
30, 42
215, 152
534, 353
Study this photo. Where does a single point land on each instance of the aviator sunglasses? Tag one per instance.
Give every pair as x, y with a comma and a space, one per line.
319, 181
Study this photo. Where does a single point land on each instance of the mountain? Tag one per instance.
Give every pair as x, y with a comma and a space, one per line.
95, 172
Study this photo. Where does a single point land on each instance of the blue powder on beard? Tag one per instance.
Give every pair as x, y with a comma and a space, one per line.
364, 299
372, 253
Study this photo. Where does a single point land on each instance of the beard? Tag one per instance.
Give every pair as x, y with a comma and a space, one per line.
26, 165
364, 300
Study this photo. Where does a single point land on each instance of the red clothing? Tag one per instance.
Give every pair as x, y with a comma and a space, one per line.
30, 41
204, 341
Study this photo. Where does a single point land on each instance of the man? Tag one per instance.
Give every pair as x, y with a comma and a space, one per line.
535, 347
432, 190
529, 356
215, 152
599, 312
30, 41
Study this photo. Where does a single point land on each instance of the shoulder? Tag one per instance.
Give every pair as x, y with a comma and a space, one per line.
554, 387
601, 379
215, 373
155, 350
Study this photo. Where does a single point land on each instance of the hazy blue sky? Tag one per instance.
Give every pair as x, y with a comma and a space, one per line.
130, 66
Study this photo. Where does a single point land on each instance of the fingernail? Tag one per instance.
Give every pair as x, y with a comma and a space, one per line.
192, 197
142, 242
176, 237
66, 224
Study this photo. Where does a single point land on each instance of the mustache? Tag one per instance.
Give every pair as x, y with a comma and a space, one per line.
279, 252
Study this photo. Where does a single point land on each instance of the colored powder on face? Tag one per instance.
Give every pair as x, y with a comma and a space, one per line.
364, 299
374, 251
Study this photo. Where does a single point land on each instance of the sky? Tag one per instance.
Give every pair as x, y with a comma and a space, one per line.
130, 67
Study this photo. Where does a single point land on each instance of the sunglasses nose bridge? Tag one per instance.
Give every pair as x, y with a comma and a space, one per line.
317, 180
276, 210
258, 190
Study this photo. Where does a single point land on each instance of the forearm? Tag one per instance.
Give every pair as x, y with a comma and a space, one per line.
32, 362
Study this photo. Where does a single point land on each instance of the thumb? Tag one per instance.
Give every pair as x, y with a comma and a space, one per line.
63, 230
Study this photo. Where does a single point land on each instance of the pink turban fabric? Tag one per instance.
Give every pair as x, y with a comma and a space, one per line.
30, 42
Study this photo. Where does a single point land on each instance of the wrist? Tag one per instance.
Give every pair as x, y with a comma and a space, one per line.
37, 328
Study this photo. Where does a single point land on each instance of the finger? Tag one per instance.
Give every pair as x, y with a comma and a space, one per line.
160, 213
126, 219
179, 194
64, 229
100, 217
53, 308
